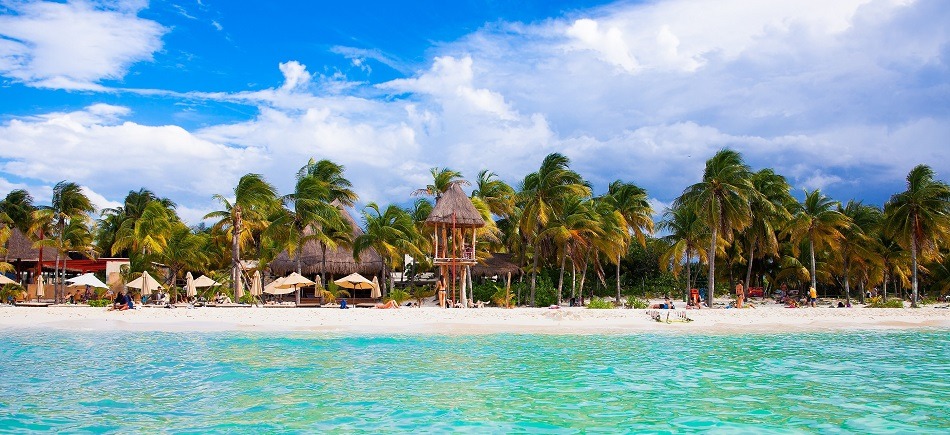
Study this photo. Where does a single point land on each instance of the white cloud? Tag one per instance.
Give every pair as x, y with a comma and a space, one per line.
99, 201
609, 43
74, 45
295, 76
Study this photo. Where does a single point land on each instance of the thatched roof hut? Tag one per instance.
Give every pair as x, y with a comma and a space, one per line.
19, 247
498, 264
339, 261
454, 207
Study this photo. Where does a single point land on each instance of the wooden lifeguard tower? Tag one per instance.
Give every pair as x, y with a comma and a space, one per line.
455, 222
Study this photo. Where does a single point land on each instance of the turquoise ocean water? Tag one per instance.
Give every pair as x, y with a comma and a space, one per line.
121, 382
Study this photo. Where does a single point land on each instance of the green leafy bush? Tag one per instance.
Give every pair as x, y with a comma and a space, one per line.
399, 295
600, 304
879, 302
10, 291
99, 302
637, 303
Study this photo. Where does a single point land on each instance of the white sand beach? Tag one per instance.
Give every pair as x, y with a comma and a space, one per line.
429, 320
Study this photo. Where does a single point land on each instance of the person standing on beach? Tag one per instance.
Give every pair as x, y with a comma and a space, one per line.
440, 289
812, 296
740, 294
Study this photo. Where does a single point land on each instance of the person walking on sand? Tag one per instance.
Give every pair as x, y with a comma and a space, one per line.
740, 294
440, 288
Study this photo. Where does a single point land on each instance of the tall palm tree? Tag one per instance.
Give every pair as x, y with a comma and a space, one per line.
890, 257
19, 208
442, 179
631, 203
769, 204
919, 218
391, 233
495, 193
254, 199
687, 237
573, 226
123, 219
183, 250
330, 175
68, 203
856, 243
818, 222
721, 200
540, 192
147, 233
337, 192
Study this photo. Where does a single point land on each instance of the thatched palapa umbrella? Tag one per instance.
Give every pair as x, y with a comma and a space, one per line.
338, 261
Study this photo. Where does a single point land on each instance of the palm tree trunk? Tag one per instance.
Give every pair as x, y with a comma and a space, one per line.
913, 259
847, 283
534, 275
560, 280
688, 273
748, 272
55, 279
618, 279
711, 284
573, 279
583, 279
811, 250
323, 263
885, 284
235, 261
861, 288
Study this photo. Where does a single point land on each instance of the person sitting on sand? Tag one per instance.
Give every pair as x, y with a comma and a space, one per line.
666, 305
389, 304
121, 302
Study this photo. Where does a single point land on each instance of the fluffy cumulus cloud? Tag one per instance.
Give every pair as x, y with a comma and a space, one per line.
74, 45
845, 96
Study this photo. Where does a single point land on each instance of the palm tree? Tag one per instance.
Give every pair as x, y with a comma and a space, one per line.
330, 175
687, 235
540, 192
817, 221
856, 246
68, 203
631, 203
337, 193
890, 257
442, 179
919, 218
123, 219
573, 226
19, 208
769, 204
254, 199
183, 250
721, 201
495, 193
391, 233
148, 232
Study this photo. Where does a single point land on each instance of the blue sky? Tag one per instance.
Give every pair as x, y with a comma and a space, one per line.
184, 97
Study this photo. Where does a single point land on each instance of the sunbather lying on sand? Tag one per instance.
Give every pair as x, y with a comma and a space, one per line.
390, 304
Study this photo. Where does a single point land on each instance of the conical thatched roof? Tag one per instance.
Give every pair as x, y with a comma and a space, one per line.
455, 202
19, 247
497, 264
339, 261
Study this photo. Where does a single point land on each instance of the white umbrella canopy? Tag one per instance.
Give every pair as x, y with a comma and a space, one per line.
204, 281
256, 283
145, 283
190, 289
354, 281
84, 280
295, 280
376, 293
5, 280
276, 288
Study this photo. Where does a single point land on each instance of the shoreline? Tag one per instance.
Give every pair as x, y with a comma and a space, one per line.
481, 321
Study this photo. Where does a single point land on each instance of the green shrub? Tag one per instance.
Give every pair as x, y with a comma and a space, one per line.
99, 302
600, 304
637, 303
879, 302
400, 296
10, 291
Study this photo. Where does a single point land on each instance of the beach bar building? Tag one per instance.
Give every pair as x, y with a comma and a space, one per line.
455, 222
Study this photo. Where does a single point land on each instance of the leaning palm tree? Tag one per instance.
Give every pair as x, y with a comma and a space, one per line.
391, 233
769, 204
687, 236
254, 199
721, 200
540, 191
573, 226
856, 243
68, 203
818, 222
495, 193
919, 218
631, 203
